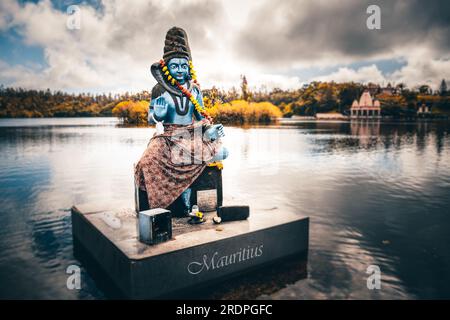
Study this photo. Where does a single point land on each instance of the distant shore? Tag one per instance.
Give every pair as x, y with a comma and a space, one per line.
234, 107
433, 117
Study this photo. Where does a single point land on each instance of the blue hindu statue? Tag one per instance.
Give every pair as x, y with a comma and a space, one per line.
186, 140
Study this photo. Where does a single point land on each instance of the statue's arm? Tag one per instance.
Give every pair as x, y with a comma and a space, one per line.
157, 110
151, 113
199, 97
215, 131
158, 105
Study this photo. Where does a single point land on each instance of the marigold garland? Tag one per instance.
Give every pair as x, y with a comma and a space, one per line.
186, 92
217, 164
194, 101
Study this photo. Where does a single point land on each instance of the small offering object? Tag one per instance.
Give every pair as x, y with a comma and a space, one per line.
217, 220
196, 216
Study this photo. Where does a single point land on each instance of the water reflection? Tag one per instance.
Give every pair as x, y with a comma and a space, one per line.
376, 192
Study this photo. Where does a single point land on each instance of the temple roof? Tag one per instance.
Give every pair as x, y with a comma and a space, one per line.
366, 100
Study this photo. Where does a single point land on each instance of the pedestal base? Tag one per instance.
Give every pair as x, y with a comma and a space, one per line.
197, 255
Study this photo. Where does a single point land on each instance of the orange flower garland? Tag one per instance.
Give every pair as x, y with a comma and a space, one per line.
174, 82
217, 164
194, 101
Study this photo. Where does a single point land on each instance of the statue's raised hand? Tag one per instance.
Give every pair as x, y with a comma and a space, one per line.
160, 107
215, 132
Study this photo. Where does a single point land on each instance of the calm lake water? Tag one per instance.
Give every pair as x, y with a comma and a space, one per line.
376, 193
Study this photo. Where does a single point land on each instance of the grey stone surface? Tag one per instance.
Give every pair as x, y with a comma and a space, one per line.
197, 254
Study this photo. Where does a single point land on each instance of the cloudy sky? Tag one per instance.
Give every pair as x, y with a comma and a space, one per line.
274, 43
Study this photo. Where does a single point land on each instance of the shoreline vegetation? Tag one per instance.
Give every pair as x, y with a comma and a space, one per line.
234, 112
233, 106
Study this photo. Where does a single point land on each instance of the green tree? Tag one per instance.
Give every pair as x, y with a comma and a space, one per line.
443, 88
347, 95
400, 87
244, 89
424, 89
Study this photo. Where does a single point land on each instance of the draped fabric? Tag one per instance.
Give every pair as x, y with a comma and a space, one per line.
172, 162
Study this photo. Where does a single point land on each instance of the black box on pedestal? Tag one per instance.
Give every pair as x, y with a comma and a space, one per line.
233, 213
154, 226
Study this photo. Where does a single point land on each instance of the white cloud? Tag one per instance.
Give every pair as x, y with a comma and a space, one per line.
364, 74
421, 67
114, 49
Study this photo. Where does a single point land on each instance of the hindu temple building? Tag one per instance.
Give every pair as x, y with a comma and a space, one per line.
366, 107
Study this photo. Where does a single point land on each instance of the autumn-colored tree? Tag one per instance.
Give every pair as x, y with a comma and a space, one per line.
132, 112
241, 111
307, 100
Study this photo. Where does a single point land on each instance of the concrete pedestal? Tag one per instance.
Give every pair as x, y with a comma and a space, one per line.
197, 255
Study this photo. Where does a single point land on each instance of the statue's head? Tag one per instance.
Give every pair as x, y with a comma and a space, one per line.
176, 66
179, 69
177, 54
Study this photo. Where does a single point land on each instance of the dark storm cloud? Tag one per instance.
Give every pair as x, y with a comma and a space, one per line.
144, 28
309, 30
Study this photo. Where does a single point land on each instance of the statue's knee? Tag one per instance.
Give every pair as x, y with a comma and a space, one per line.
222, 154
225, 153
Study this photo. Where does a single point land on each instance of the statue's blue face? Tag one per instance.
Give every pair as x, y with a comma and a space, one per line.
179, 69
